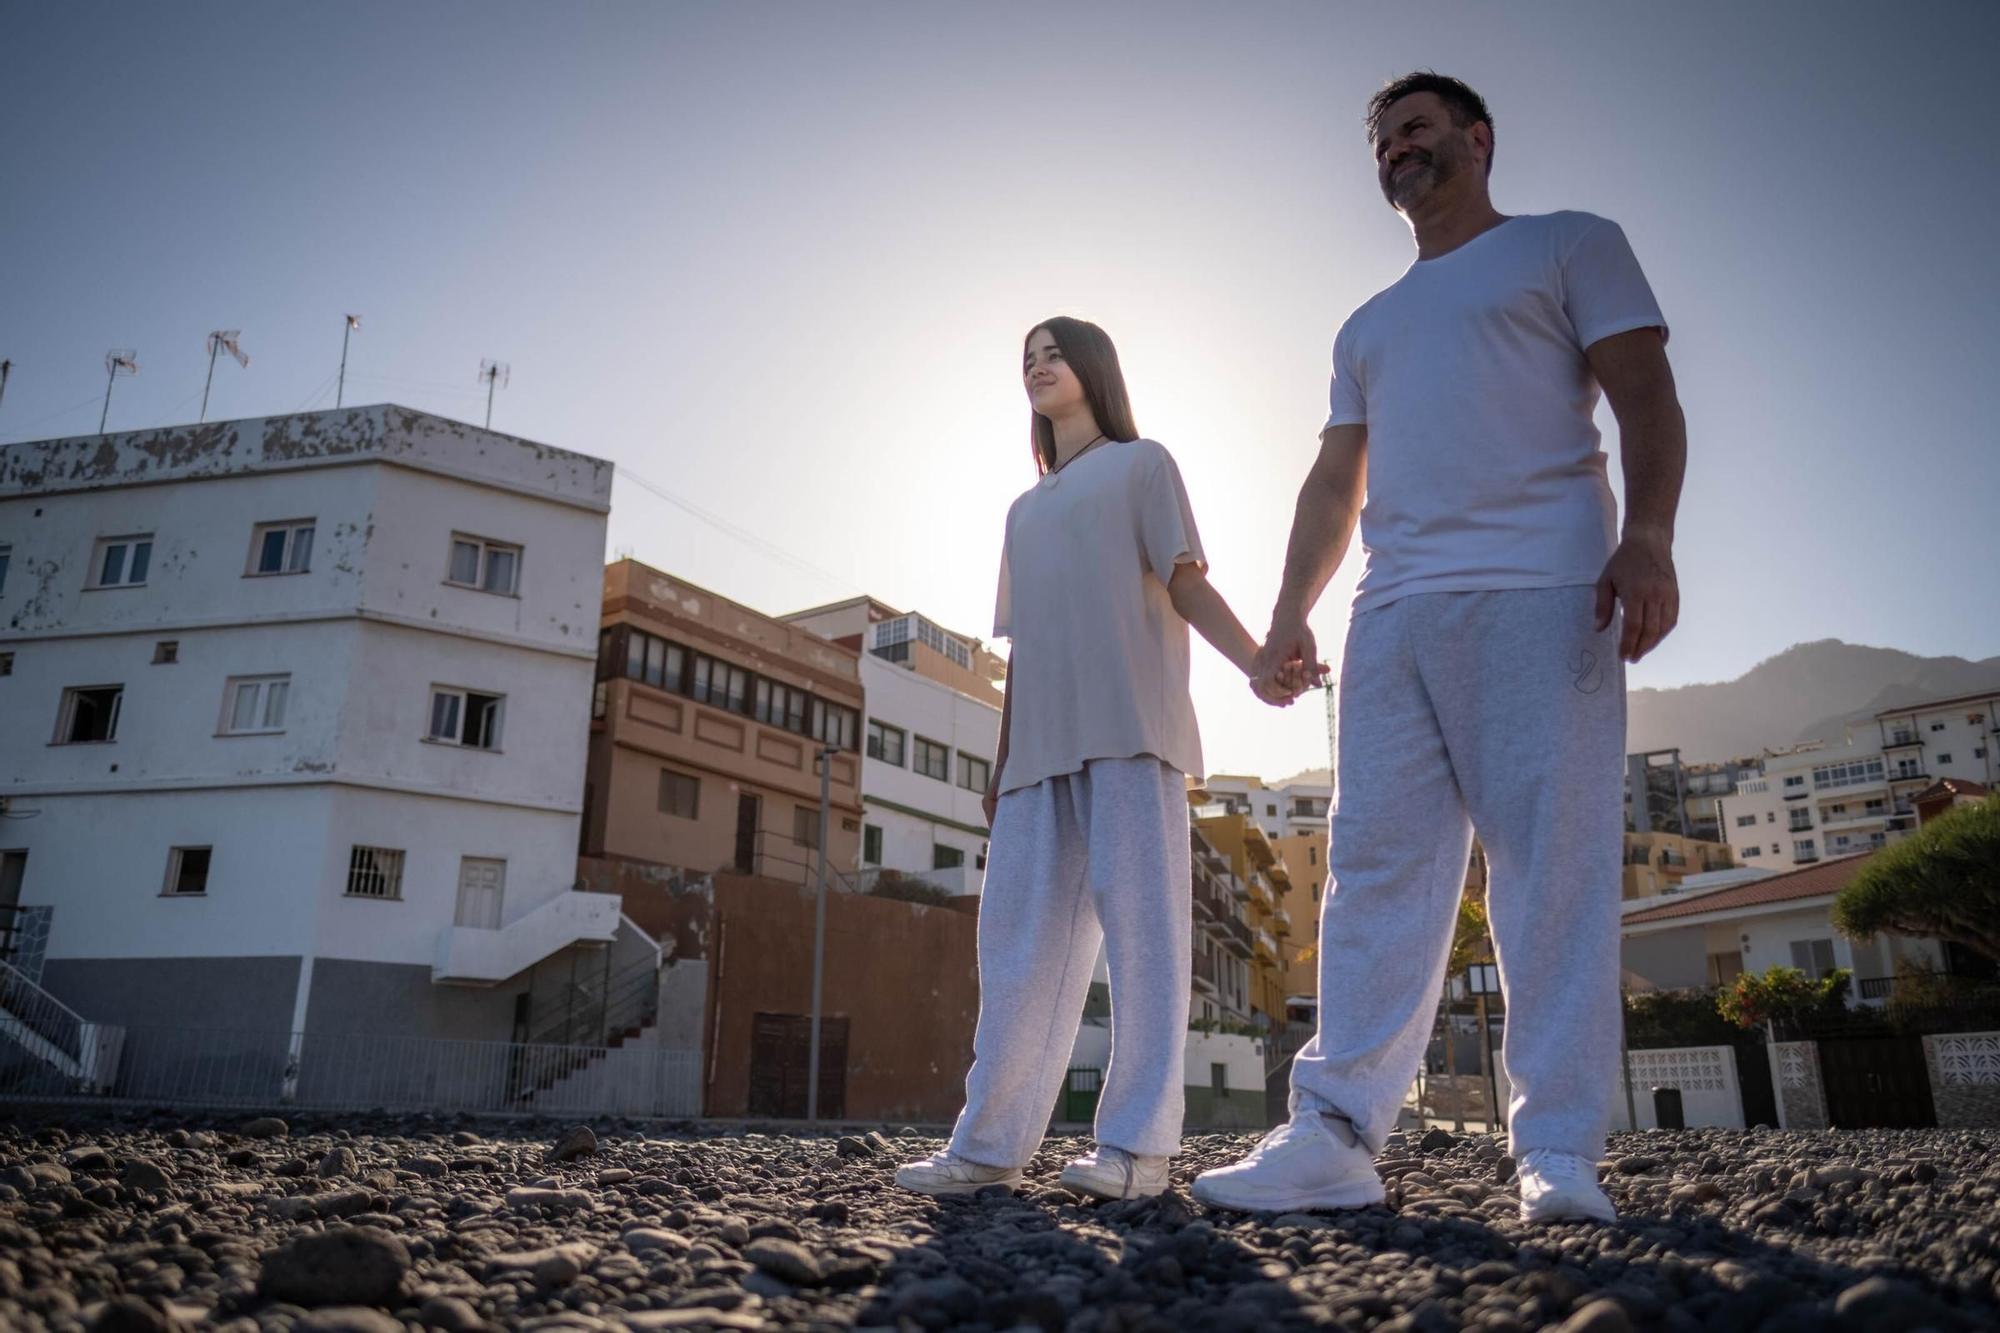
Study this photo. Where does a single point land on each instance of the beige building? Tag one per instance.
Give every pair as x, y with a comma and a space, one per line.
706, 729
1656, 863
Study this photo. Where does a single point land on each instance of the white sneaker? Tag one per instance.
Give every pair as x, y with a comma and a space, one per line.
1113, 1173
1301, 1164
1561, 1185
948, 1173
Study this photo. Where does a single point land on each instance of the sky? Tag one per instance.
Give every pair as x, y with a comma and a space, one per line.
776, 261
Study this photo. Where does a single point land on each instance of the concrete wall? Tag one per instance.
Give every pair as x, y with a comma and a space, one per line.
1965, 1079
1669, 959
1710, 1087
189, 992
1801, 1091
904, 975
1241, 1106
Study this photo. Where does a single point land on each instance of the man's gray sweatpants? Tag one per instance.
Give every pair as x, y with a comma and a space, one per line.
1096, 856
1502, 712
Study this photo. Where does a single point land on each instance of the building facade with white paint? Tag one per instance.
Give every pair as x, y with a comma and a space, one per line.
1818, 800
295, 713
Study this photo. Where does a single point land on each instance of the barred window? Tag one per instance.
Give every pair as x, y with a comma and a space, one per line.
375, 872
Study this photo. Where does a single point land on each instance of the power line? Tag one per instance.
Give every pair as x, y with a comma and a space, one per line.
744, 535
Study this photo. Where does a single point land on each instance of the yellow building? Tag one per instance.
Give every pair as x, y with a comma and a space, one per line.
1656, 863
1304, 854
1261, 878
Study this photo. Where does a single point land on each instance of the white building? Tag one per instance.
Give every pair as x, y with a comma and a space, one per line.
932, 729
1293, 810
294, 713
1823, 800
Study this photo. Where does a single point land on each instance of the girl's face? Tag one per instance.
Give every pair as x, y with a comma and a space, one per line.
1053, 388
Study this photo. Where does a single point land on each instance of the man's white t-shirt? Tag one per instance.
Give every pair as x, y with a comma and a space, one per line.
1100, 662
1484, 466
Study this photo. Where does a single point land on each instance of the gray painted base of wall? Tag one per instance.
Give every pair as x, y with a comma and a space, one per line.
1208, 1113
220, 993
401, 998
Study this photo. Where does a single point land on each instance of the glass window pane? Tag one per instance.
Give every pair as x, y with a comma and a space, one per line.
271, 552
444, 716
676, 668
142, 555
302, 549
114, 564
499, 570
244, 715
465, 562
656, 658
274, 703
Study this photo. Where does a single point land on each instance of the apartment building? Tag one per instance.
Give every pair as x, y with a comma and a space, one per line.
1260, 880
1821, 800
1656, 863
294, 712
932, 729
1705, 786
707, 732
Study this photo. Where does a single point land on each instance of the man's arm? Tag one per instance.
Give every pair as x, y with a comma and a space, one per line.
1652, 448
1329, 506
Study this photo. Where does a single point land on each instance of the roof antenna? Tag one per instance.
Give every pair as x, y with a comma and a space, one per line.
495, 374
118, 361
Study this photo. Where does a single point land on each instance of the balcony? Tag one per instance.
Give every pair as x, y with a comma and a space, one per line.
1910, 773
1268, 945
474, 955
1281, 921
1903, 740
1834, 823
1235, 937
1204, 973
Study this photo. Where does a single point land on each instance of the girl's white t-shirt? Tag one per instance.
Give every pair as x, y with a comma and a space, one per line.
1100, 662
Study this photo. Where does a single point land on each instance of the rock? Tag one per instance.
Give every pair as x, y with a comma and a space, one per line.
553, 1266
875, 1139
338, 1162
654, 1240
340, 1266
451, 1313
426, 1165
1600, 1316
578, 1142
694, 1316
143, 1174
784, 1259
1637, 1165
265, 1127
91, 1160
734, 1231
1436, 1140
1503, 1171
851, 1146
617, 1175
348, 1319
343, 1203
129, 1314
1881, 1303
524, 1197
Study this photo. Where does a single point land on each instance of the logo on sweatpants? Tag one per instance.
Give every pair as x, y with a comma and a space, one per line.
1589, 675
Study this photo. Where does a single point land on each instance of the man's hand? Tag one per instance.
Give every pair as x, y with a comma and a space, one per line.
1639, 577
1288, 662
989, 803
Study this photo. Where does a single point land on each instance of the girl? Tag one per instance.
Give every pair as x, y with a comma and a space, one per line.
1101, 574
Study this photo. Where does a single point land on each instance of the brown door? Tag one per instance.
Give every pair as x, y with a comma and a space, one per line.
780, 1058
746, 833
13, 868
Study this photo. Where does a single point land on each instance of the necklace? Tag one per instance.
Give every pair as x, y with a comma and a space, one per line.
1078, 454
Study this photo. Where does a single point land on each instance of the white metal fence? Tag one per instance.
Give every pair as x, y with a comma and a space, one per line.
354, 1071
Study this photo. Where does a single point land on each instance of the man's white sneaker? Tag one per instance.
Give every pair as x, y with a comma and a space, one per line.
947, 1173
1556, 1186
1113, 1173
1299, 1165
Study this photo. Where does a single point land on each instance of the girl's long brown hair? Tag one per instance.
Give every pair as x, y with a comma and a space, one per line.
1094, 361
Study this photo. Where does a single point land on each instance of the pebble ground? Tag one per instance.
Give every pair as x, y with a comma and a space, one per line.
377, 1224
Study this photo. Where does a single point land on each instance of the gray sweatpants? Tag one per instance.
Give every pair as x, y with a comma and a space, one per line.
1099, 856
1504, 712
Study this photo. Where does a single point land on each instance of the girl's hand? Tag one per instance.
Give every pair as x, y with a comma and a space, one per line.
991, 801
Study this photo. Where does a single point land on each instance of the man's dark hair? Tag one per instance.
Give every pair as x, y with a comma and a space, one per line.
1466, 106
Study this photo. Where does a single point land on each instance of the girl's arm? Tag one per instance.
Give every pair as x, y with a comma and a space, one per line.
1202, 607
992, 800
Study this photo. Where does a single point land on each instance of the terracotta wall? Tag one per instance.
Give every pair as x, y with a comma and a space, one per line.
904, 975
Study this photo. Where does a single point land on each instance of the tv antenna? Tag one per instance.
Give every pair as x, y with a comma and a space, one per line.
6, 369
118, 361
222, 340
495, 374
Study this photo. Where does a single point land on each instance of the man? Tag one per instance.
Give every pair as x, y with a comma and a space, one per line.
1483, 685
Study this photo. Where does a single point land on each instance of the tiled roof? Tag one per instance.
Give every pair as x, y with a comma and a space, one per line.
1951, 787
1814, 881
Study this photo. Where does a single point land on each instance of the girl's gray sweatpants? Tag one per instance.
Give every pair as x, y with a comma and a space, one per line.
1505, 712
1096, 856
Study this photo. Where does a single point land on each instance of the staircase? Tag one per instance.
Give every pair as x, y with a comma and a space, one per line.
581, 1028
478, 956
63, 1050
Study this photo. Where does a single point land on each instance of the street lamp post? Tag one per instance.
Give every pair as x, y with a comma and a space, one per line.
826, 754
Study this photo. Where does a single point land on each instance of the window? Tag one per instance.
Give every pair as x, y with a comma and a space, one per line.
834, 725
122, 561
1771, 817
974, 774
1751, 852
89, 713
1270, 810
1944, 759
1813, 957
1800, 822
6, 664
1312, 859
680, 795
933, 760
281, 548
1937, 726
1746, 821
655, 661
488, 566
1979, 752
720, 684
805, 825
946, 858
375, 872
885, 743
1803, 849
187, 872
1850, 774
871, 845
462, 717
254, 704
780, 705
166, 652
6, 555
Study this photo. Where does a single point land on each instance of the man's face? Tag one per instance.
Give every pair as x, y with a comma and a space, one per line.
1418, 150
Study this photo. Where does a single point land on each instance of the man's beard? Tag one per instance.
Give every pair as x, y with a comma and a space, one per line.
1407, 185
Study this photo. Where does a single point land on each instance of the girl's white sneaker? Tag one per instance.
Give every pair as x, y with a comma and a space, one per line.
1557, 1186
1113, 1173
948, 1173
1300, 1165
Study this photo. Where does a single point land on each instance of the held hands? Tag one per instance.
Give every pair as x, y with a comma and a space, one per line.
1287, 665
1640, 578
